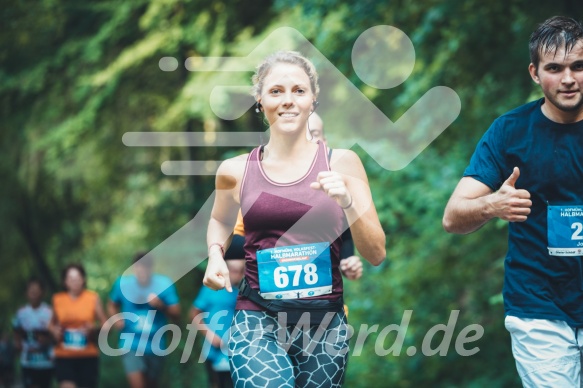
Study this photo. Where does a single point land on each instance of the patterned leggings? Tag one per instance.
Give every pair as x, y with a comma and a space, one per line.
265, 354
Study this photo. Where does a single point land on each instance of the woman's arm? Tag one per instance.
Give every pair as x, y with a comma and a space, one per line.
92, 329
347, 183
99, 313
55, 327
222, 221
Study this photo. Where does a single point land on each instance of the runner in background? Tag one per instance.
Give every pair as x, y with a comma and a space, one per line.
77, 317
219, 307
143, 368
33, 339
350, 264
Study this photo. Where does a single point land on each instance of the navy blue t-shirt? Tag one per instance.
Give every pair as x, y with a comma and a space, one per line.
550, 158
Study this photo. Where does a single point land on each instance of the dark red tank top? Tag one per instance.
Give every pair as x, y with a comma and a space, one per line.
271, 209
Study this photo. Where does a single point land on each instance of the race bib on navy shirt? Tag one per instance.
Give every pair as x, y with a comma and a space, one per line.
565, 230
296, 271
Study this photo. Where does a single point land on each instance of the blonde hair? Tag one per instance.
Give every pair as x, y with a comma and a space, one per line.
291, 57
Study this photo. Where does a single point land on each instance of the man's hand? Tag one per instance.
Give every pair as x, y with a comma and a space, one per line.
351, 267
509, 203
156, 302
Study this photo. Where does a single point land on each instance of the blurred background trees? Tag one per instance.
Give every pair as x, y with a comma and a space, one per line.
75, 76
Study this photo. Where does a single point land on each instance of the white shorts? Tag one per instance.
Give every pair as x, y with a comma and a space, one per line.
547, 353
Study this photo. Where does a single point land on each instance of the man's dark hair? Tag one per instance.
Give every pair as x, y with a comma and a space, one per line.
144, 259
553, 33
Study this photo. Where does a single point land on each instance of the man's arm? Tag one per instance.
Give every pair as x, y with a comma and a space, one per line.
472, 204
112, 308
202, 327
172, 311
18, 336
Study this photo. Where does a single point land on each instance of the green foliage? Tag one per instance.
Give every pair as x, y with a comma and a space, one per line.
75, 76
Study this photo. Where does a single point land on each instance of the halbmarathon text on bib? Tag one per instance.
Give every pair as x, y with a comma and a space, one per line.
565, 230
295, 271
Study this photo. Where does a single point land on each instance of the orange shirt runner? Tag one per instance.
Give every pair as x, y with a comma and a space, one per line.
72, 315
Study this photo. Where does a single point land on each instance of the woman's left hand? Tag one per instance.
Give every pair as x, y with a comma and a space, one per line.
333, 184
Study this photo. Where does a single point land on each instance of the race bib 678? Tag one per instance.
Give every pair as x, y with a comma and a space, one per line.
295, 271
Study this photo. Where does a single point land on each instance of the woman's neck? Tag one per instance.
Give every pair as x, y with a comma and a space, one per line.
290, 147
74, 294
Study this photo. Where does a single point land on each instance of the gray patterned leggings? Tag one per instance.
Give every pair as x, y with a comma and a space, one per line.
265, 354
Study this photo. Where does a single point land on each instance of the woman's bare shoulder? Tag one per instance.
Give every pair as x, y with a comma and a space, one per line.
231, 171
346, 161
